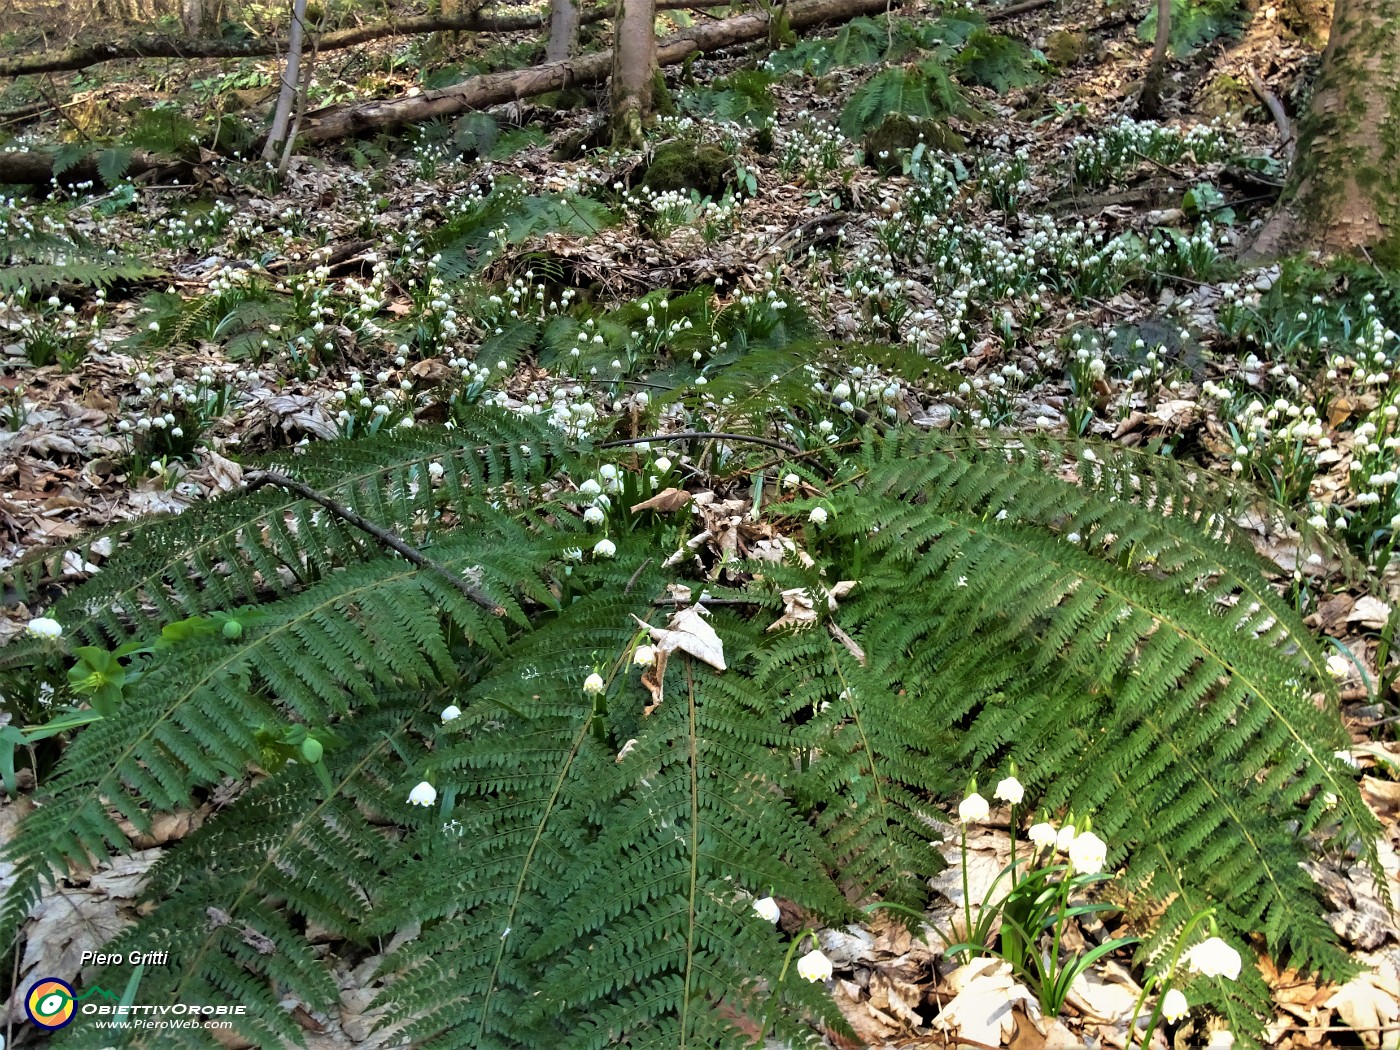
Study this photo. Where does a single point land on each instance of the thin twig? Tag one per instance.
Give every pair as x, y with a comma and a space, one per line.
686, 435
1275, 108
707, 601
635, 576
1165, 167
259, 478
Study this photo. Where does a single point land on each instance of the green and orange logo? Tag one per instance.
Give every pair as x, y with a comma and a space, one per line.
50, 1003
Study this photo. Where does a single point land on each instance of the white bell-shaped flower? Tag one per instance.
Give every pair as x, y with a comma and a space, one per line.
1213, 957
1087, 853
44, 627
767, 908
1174, 1006
814, 966
423, 795
972, 809
1010, 790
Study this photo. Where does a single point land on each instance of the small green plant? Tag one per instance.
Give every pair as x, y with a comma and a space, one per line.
999, 62
923, 89
617, 807
171, 420
744, 97
1005, 180
1197, 22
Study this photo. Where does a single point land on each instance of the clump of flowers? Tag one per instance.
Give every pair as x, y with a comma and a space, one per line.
173, 415
1042, 898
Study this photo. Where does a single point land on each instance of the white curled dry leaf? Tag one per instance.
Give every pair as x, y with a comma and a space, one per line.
1370, 1004
800, 608
982, 1009
688, 631
1369, 612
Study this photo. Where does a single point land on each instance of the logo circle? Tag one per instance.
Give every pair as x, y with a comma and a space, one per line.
49, 1003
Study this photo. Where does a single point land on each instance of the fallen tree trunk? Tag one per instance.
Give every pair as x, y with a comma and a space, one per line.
36, 168
491, 89
173, 47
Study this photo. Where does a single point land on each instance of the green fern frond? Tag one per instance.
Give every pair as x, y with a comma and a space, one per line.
93, 273
999, 62
586, 875
922, 90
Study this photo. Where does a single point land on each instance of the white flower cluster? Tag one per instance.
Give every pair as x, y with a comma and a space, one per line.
387, 403
1100, 158
810, 145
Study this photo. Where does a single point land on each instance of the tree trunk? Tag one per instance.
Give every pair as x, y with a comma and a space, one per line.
36, 168
198, 17
342, 121
563, 30
277, 134
151, 46
1343, 194
1149, 102
634, 70
492, 89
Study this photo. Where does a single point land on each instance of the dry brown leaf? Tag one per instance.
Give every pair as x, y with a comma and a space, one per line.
1369, 612
799, 607
852, 646
654, 681
666, 501
1367, 1005
688, 631
871, 1026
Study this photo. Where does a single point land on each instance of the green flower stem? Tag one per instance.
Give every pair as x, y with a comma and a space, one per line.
1164, 982
1013, 845
782, 976
967, 892
1065, 885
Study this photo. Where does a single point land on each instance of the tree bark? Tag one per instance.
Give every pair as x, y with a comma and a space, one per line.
492, 89
147, 46
198, 17
1343, 194
634, 71
563, 30
291, 77
1149, 101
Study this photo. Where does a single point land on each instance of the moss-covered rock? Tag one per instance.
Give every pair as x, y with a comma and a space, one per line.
1225, 96
1065, 48
897, 134
682, 165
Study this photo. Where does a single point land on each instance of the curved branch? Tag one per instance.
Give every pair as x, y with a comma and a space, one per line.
685, 435
259, 478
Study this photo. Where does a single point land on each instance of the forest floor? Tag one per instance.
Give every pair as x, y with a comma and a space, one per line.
1056, 267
